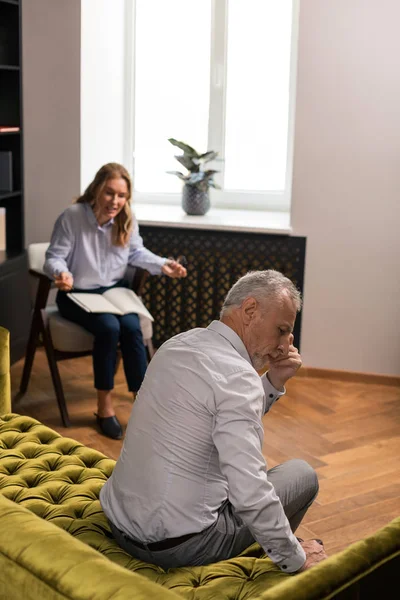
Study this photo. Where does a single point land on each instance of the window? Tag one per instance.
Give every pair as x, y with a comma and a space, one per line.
218, 75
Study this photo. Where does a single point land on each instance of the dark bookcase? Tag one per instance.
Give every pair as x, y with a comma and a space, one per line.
14, 296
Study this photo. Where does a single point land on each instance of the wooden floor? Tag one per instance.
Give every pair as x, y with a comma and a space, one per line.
349, 432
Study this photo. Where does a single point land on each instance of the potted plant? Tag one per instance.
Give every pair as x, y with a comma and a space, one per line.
197, 181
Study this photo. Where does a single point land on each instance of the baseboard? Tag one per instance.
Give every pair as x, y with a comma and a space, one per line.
354, 376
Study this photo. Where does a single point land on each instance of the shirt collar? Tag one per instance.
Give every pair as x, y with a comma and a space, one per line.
92, 218
232, 338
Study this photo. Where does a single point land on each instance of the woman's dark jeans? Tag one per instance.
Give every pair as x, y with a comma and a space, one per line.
109, 330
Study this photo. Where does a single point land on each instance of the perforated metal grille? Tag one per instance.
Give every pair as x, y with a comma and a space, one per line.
216, 259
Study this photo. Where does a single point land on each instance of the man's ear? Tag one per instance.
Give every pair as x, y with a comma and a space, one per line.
249, 309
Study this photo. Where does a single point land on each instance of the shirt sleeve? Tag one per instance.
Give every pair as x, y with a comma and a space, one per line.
61, 244
139, 256
238, 437
271, 393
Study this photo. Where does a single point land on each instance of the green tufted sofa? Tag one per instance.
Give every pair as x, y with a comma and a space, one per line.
55, 541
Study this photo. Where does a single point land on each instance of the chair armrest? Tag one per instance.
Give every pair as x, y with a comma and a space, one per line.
38, 274
139, 281
45, 284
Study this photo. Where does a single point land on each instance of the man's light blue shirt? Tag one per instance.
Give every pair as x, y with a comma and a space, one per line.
194, 439
81, 246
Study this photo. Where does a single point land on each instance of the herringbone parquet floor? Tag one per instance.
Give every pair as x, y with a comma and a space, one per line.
349, 432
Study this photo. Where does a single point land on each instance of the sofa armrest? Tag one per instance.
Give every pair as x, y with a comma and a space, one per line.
5, 387
40, 560
363, 570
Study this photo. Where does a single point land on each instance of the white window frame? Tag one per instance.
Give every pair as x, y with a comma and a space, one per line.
238, 199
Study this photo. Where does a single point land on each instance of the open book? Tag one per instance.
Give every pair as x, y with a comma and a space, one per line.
117, 301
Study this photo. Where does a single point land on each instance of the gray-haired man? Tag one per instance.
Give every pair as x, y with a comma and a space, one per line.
191, 485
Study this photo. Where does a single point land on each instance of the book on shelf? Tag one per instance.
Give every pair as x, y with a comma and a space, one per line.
117, 301
8, 129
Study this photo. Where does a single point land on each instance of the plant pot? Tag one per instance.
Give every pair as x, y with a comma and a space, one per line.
194, 201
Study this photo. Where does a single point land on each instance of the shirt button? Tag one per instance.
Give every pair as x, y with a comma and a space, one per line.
269, 551
271, 395
284, 566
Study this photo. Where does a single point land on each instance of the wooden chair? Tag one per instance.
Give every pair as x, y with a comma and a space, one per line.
63, 339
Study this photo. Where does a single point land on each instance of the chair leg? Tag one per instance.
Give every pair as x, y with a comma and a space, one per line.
55, 375
30, 353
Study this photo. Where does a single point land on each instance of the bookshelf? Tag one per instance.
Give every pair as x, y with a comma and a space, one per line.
14, 299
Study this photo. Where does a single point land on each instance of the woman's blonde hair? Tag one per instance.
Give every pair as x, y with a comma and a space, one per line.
123, 222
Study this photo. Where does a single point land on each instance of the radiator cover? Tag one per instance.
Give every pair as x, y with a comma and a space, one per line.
216, 259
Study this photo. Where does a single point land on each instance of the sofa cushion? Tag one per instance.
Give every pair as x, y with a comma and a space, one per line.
59, 480
47, 563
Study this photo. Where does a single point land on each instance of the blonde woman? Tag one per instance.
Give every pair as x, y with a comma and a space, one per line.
92, 243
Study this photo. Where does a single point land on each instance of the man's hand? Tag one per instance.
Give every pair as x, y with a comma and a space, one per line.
314, 554
173, 268
284, 367
64, 281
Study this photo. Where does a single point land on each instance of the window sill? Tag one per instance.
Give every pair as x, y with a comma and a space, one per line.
254, 221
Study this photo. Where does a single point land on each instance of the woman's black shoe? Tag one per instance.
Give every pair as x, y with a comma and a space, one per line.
110, 426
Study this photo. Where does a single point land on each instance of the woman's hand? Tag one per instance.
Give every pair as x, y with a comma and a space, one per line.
64, 281
173, 268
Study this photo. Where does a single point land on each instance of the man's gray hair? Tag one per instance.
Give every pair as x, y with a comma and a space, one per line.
261, 285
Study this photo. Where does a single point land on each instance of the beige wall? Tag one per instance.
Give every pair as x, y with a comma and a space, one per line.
51, 98
346, 188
